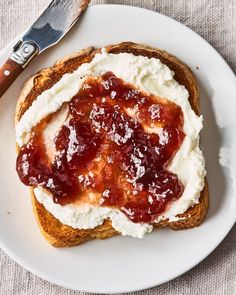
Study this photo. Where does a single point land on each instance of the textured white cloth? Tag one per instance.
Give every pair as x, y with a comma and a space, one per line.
215, 20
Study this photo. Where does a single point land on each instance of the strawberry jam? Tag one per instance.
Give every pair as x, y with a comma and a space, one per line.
116, 143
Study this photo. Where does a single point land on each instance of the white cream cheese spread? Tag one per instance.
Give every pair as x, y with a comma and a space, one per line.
154, 77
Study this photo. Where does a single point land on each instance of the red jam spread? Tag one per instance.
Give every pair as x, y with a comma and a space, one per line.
105, 148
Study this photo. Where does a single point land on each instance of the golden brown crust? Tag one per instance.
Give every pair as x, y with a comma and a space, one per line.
58, 234
61, 235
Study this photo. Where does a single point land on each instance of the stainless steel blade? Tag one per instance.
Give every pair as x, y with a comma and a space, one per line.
48, 29
55, 22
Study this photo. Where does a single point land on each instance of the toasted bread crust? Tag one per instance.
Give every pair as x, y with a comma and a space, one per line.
58, 234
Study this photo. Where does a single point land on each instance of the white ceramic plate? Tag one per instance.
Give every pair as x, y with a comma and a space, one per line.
125, 264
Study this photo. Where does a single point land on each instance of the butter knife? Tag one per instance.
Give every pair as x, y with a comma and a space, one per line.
47, 31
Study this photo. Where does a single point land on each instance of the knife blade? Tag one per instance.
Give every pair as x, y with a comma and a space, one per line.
58, 18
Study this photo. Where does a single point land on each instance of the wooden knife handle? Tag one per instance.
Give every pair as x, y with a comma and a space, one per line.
8, 74
23, 53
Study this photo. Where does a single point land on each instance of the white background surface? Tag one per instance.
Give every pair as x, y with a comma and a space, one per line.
219, 268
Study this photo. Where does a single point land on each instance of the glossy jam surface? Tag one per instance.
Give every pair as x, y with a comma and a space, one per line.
108, 146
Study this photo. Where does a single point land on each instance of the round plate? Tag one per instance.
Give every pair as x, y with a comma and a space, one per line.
125, 264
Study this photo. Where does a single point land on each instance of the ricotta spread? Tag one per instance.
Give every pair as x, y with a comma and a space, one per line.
154, 77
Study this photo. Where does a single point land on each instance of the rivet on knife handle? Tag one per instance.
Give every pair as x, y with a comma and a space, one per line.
24, 53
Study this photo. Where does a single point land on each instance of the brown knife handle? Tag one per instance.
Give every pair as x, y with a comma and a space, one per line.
8, 74
23, 53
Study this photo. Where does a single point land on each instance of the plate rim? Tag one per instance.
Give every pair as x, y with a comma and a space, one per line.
53, 280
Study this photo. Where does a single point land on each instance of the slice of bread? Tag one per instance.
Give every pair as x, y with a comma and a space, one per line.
58, 234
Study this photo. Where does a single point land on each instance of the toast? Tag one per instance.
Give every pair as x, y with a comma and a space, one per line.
58, 234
